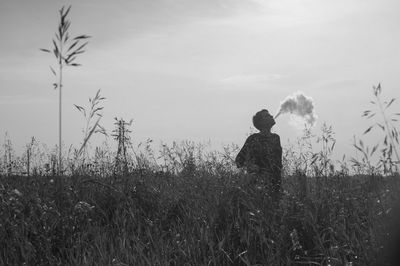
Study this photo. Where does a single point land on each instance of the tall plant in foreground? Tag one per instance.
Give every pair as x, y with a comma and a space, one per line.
390, 158
65, 50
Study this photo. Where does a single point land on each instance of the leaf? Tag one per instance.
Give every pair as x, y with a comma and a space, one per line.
80, 108
60, 32
101, 130
358, 148
81, 47
355, 162
366, 112
44, 50
58, 36
75, 64
390, 103
361, 143
66, 26
314, 159
98, 109
66, 38
333, 145
381, 126
70, 60
97, 94
374, 149
66, 12
73, 45
379, 89
74, 53
82, 37
52, 70
368, 130
55, 50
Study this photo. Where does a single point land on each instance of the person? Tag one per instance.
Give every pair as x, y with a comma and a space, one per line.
261, 154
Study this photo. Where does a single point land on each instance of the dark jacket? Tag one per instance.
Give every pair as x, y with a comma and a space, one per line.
262, 151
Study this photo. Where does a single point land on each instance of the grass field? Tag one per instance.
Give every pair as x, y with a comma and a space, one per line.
196, 213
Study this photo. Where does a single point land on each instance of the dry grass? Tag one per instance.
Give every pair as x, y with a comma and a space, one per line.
186, 206
195, 217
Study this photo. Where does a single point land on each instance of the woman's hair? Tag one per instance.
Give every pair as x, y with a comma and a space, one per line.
258, 119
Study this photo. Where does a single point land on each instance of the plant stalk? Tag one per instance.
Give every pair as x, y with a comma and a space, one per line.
60, 113
388, 130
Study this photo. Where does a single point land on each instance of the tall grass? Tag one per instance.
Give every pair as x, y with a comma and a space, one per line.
389, 161
65, 49
193, 207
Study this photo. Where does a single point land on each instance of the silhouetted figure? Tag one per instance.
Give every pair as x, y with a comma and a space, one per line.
262, 152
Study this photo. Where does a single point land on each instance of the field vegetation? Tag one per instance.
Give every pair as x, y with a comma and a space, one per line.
182, 204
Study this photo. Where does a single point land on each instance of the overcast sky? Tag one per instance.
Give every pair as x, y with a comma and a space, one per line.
198, 69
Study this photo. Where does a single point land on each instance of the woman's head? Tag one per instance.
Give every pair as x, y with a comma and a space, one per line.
263, 120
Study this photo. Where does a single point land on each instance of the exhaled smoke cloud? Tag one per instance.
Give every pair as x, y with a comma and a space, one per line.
300, 105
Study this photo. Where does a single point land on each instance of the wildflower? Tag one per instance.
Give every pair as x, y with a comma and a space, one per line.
295, 240
83, 206
17, 192
115, 262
